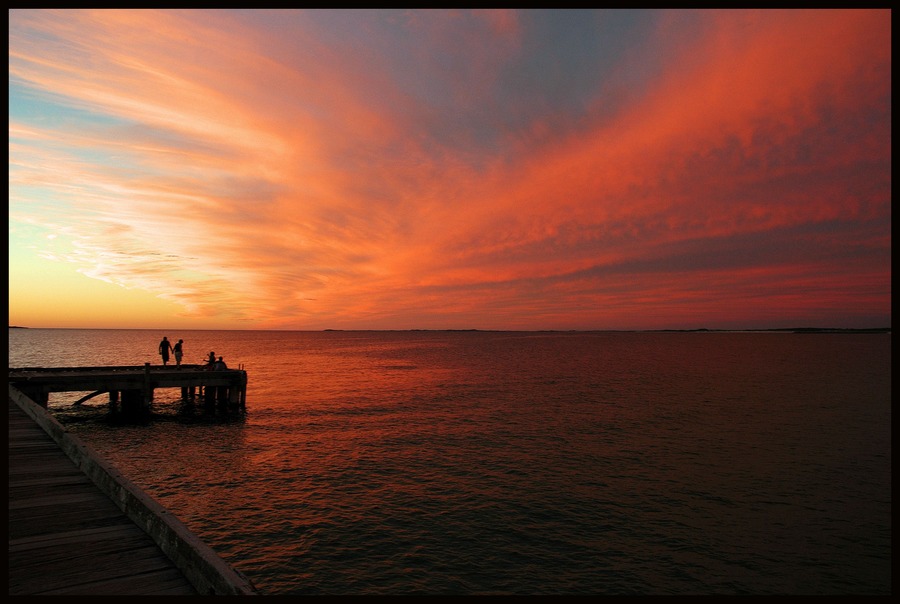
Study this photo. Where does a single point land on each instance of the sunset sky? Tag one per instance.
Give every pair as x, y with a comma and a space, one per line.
432, 169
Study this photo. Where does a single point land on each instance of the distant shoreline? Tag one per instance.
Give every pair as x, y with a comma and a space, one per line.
700, 330
787, 330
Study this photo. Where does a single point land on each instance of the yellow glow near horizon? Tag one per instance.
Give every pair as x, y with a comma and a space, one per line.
65, 298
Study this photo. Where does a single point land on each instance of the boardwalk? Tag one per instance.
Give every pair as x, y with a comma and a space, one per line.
68, 535
135, 385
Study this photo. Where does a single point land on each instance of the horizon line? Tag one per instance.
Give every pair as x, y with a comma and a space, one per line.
666, 329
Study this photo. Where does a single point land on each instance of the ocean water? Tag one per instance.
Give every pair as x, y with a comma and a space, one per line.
463, 463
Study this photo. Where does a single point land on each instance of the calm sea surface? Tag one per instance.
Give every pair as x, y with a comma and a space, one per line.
517, 462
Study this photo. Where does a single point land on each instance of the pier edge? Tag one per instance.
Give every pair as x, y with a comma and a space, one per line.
201, 565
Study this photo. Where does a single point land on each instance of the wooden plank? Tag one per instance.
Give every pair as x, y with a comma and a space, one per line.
66, 536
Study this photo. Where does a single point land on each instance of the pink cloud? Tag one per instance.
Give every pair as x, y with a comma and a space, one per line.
303, 185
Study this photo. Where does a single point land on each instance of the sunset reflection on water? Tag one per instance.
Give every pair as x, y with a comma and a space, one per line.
524, 463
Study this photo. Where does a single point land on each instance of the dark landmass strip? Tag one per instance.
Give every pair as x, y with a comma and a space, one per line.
784, 330
701, 330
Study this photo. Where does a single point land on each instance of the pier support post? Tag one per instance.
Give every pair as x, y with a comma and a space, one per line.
148, 389
209, 398
132, 402
221, 395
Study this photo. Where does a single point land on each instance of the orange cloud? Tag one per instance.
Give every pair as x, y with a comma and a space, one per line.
300, 169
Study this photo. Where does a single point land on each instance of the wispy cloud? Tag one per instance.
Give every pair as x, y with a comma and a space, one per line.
520, 169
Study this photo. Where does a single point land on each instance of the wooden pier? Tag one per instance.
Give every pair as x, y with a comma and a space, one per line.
79, 527
133, 387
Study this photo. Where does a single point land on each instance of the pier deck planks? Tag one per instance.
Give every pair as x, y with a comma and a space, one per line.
66, 536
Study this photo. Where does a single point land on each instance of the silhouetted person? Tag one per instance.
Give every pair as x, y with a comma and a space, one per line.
164, 347
220, 365
211, 361
178, 349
